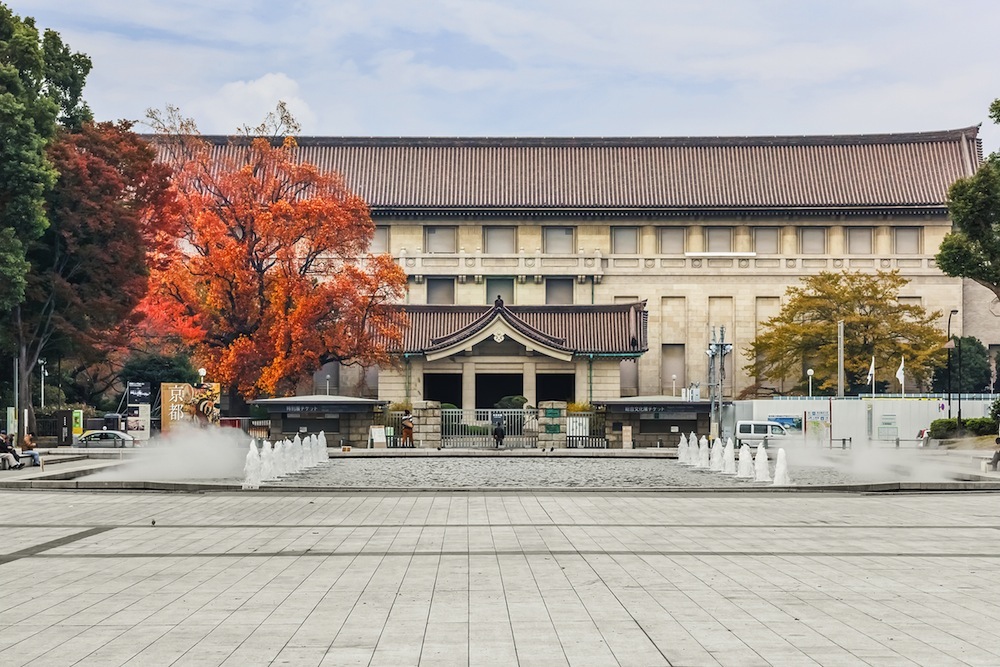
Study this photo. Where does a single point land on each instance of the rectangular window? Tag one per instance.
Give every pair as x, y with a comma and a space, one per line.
672, 240
859, 241
625, 240
628, 377
906, 240
672, 376
440, 290
559, 291
812, 240
441, 239
500, 240
767, 240
558, 241
719, 239
380, 241
500, 287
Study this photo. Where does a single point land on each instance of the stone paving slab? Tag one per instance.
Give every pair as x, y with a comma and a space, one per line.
516, 578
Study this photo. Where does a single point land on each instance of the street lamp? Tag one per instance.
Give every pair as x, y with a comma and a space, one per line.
950, 345
673, 384
202, 373
41, 376
327, 384
809, 372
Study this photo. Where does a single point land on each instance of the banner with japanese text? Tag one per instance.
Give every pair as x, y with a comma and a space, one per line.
185, 403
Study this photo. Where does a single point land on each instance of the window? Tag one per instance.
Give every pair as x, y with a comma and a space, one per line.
500, 240
441, 239
625, 240
906, 240
440, 290
859, 240
812, 240
380, 241
719, 239
559, 291
558, 241
502, 287
672, 376
628, 377
672, 240
767, 240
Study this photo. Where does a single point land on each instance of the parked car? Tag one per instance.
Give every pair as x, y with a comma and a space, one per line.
756, 432
105, 438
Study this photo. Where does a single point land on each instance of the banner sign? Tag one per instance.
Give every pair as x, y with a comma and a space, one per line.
137, 421
139, 393
193, 404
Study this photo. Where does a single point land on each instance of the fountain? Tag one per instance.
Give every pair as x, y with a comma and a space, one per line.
781, 477
703, 457
746, 463
251, 468
266, 461
762, 473
682, 450
716, 462
729, 458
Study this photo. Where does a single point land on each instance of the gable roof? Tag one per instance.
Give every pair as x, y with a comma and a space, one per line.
613, 330
447, 176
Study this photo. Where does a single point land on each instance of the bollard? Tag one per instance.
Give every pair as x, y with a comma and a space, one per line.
897, 442
658, 443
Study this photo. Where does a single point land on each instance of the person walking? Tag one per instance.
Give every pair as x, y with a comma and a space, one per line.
407, 425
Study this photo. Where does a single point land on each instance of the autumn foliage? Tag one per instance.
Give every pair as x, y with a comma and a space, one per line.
273, 278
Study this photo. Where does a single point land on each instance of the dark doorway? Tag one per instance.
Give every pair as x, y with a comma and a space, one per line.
444, 387
555, 387
490, 388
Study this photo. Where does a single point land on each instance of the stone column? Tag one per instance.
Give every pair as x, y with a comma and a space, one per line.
468, 384
552, 424
530, 382
427, 429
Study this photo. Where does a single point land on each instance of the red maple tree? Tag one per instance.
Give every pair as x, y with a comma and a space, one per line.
274, 277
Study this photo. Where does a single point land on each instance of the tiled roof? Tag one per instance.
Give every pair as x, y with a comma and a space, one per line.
636, 174
605, 329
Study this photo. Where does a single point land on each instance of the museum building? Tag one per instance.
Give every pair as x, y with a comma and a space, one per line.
588, 269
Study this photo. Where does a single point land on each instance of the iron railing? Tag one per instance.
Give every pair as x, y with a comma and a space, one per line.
585, 430
473, 428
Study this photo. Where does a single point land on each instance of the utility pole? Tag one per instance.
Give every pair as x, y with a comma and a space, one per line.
840, 359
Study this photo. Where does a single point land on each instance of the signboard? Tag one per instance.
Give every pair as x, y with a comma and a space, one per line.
137, 421
78, 422
191, 404
626, 437
376, 437
552, 413
578, 426
139, 393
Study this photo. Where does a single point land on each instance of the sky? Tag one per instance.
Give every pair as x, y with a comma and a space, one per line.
542, 67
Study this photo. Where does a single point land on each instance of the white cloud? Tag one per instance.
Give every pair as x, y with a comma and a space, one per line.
585, 67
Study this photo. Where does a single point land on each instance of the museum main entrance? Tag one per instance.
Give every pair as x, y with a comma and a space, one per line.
491, 387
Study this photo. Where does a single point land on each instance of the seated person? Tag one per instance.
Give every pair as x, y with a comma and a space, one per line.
28, 449
8, 454
996, 456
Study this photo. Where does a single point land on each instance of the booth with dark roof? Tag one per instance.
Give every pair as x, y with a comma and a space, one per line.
656, 420
344, 419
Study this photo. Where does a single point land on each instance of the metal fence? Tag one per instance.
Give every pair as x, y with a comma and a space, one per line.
585, 430
473, 428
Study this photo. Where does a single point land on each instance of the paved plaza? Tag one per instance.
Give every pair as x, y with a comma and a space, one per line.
506, 578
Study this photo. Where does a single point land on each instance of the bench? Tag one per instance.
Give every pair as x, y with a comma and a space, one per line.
25, 459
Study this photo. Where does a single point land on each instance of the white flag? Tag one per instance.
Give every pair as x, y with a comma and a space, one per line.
871, 372
899, 372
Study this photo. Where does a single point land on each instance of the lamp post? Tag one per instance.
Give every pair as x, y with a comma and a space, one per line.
809, 372
202, 373
950, 345
673, 385
41, 377
327, 384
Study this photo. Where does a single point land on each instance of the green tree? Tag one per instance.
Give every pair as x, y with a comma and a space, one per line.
804, 334
975, 375
41, 83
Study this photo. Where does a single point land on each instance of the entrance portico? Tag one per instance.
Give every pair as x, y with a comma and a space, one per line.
472, 356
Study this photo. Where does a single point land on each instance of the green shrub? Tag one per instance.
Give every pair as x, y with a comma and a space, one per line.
942, 429
511, 403
980, 426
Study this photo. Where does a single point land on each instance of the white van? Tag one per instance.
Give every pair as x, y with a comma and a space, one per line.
755, 432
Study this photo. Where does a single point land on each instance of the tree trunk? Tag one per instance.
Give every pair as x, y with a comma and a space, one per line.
238, 406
